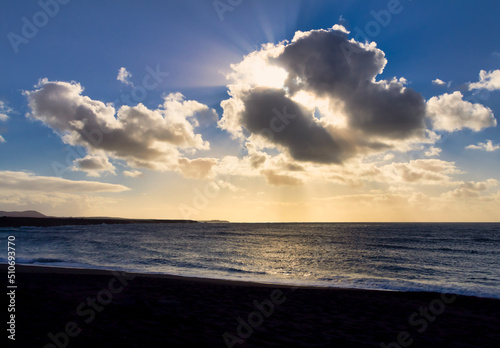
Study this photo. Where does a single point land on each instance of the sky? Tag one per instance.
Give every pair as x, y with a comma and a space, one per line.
251, 111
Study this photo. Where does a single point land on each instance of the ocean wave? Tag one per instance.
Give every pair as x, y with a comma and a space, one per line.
29, 261
40, 260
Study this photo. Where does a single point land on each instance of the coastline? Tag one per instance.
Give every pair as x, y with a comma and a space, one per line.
141, 309
9, 221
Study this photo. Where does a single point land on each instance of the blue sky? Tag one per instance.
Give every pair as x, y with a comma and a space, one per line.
191, 45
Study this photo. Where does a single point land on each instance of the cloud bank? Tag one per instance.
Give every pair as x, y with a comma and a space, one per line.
313, 108
141, 137
317, 99
318, 103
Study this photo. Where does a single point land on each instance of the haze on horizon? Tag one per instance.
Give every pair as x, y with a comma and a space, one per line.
289, 111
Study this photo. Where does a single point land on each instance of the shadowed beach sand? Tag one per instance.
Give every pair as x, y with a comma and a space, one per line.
58, 307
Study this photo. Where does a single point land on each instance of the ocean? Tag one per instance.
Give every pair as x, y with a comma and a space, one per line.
452, 258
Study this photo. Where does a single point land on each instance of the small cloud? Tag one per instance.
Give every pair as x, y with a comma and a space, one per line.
344, 22
438, 82
256, 159
421, 171
388, 157
471, 189
276, 179
199, 168
496, 54
124, 76
340, 27
449, 112
294, 167
94, 165
432, 152
132, 173
4, 110
487, 146
226, 185
489, 80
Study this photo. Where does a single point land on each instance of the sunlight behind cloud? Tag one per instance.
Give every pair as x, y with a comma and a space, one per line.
255, 69
269, 76
328, 111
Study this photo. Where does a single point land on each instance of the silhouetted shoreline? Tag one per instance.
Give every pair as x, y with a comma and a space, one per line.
7, 221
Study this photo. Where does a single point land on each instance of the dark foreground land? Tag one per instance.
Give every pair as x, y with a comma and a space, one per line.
58, 307
8, 221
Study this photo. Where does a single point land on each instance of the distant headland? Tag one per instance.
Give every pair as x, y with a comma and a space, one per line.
36, 219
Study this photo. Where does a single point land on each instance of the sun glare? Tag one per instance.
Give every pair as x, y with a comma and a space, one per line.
256, 71
269, 76
324, 109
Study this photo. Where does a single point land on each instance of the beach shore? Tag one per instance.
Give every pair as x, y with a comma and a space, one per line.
64, 307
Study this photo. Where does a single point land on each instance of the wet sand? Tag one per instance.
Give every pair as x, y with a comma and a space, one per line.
62, 307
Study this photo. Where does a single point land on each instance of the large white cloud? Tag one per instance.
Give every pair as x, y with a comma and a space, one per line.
489, 80
449, 112
142, 137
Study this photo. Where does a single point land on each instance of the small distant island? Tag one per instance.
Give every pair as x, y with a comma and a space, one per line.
35, 219
215, 221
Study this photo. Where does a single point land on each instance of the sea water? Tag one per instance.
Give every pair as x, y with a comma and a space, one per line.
454, 258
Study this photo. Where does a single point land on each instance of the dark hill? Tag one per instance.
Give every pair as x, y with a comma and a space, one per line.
9, 221
25, 214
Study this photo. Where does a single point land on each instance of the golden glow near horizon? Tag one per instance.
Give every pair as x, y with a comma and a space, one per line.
255, 201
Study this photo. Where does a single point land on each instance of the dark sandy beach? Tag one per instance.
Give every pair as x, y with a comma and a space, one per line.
58, 307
